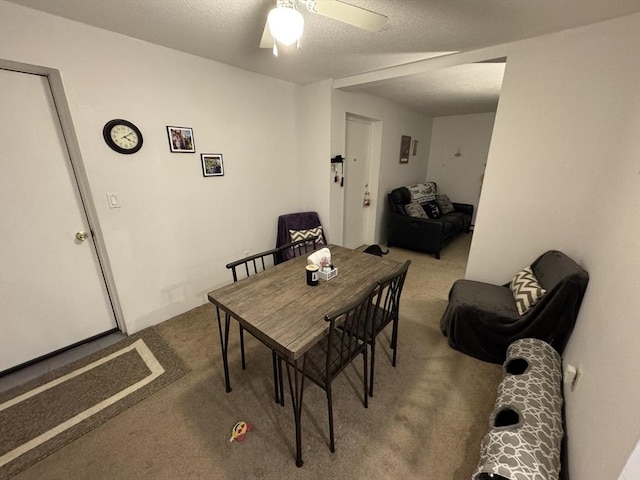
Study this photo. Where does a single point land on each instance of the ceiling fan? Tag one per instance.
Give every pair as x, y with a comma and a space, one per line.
285, 24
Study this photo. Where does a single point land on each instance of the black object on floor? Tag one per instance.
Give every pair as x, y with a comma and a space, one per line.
375, 250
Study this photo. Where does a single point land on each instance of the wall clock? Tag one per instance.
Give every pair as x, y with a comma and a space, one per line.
122, 136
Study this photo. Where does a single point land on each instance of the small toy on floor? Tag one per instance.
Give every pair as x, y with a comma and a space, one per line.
239, 430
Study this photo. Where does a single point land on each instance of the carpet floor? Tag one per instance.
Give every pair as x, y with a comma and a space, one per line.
425, 421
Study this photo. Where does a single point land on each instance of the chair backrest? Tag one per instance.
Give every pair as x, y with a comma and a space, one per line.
344, 340
253, 264
388, 301
305, 246
554, 267
557, 311
297, 222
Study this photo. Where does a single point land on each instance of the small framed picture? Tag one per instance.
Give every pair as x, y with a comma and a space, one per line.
181, 140
405, 149
212, 165
414, 152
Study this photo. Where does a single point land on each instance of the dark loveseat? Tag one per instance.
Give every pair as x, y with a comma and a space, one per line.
410, 228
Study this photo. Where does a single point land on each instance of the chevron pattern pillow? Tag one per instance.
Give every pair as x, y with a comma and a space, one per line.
526, 290
310, 233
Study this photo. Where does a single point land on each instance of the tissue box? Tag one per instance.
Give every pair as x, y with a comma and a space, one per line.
328, 275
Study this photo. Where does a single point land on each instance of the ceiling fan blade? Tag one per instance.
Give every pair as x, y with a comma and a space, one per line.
343, 12
267, 38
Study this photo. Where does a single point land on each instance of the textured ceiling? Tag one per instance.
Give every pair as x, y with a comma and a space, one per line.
229, 31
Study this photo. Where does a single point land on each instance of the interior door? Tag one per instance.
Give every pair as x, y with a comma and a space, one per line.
356, 171
52, 289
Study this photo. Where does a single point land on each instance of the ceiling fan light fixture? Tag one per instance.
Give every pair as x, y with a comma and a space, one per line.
286, 24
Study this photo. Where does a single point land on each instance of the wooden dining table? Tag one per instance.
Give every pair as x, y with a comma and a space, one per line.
287, 315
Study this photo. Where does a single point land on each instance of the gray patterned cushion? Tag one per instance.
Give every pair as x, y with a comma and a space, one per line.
526, 290
444, 203
414, 209
302, 234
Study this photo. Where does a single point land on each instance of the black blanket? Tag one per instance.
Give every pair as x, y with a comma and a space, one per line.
482, 320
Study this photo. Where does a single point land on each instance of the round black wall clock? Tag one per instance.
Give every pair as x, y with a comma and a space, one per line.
122, 136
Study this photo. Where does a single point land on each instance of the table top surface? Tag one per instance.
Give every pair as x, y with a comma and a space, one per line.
281, 310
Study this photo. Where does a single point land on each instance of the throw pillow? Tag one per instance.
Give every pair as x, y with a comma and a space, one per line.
414, 209
526, 290
444, 203
431, 209
310, 233
418, 192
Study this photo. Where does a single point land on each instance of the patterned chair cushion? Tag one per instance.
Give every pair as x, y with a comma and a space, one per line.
526, 290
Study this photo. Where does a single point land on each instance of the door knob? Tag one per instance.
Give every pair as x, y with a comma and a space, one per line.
82, 235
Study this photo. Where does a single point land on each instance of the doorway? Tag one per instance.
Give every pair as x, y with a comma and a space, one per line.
53, 283
357, 181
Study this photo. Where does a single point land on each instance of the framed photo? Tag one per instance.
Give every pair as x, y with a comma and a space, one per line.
181, 140
212, 165
415, 148
405, 149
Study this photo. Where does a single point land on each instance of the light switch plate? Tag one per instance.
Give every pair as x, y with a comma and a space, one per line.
112, 200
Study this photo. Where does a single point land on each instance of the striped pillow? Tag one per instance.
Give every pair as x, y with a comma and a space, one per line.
526, 290
310, 233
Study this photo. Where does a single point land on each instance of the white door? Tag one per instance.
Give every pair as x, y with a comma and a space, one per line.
356, 174
52, 290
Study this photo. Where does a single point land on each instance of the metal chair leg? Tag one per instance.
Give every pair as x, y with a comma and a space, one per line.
394, 341
373, 363
244, 366
364, 377
276, 377
332, 442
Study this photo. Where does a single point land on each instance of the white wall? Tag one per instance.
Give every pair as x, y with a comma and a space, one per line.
631, 470
460, 177
564, 173
313, 132
390, 121
176, 230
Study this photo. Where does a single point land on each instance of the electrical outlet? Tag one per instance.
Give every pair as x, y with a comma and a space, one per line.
571, 376
576, 378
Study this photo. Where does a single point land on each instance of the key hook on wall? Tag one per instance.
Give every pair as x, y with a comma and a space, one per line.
338, 159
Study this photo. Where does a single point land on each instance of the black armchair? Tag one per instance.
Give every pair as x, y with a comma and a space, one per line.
482, 320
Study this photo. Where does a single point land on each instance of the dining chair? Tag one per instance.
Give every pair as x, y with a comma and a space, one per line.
304, 246
243, 268
387, 310
324, 361
296, 226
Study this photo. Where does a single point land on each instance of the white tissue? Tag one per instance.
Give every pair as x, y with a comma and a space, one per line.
321, 258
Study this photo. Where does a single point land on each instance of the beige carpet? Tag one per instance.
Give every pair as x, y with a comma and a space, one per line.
425, 421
